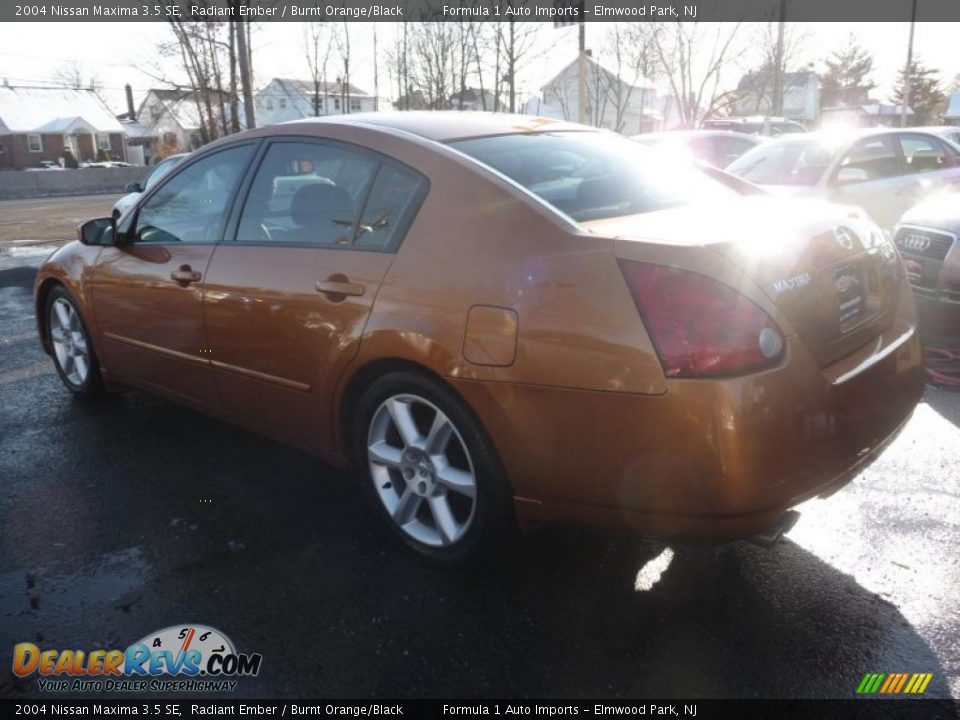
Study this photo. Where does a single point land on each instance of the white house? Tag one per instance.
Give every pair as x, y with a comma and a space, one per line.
801, 95
173, 116
612, 103
284, 99
952, 115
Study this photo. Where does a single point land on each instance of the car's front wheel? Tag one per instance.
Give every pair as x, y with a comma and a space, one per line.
430, 470
73, 354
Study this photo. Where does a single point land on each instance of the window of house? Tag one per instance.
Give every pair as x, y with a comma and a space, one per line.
336, 103
269, 104
103, 141
283, 103
35, 143
354, 104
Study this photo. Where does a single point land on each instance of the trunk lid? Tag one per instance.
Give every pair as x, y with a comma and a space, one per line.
827, 268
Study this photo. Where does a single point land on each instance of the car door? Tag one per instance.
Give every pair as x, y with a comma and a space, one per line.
148, 291
872, 174
288, 295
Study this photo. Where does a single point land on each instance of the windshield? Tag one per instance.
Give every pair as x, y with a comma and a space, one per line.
594, 175
797, 161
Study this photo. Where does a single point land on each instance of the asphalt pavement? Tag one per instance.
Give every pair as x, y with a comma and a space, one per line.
132, 514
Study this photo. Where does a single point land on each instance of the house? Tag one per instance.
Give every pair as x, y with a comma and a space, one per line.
801, 95
612, 102
412, 100
39, 124
952, 114
284, 99
173, 116
868, 115
475, 99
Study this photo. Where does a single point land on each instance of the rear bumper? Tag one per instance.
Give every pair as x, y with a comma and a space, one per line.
709, 459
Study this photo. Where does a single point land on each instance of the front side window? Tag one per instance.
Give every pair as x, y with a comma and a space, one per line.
35, 143
594, 175
103, 141
306, 193
192, 205
922, 154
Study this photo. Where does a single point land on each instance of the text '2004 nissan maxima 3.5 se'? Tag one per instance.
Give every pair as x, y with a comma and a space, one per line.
501, 321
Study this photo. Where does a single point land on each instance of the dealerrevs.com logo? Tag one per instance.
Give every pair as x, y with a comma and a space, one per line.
188, 658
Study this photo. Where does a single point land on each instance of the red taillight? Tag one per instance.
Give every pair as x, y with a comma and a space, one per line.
701, 327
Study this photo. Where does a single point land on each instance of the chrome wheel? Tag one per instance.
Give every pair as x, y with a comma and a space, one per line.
70, 345
421, 470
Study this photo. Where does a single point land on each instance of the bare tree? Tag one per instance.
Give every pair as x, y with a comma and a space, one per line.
342, 41
761, 80
316, 46
72, 75
692, 57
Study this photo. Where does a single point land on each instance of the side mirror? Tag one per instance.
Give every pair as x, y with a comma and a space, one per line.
97, 232
850, 176
134, 187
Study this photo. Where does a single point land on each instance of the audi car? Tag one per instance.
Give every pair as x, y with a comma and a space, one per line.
500, 322
926, 236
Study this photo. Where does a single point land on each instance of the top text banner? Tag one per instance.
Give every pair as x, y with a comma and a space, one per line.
555, 11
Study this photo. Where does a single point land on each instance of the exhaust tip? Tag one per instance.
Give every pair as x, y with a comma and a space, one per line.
772, 535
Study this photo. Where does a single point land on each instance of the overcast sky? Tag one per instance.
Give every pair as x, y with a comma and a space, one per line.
119, 53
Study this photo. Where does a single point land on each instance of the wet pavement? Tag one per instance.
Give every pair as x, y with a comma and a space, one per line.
132, 514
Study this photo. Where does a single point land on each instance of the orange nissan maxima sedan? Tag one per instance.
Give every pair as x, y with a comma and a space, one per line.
502, 321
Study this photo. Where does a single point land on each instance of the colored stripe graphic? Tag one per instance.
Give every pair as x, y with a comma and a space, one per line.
894, 683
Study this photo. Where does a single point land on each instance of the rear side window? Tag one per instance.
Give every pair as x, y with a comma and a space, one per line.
317, 193
387, 210
876, 156
922, 154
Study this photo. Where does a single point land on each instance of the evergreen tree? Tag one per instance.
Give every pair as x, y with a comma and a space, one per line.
846, 80
926, 95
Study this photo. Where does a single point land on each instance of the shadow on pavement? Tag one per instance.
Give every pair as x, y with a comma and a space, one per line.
133, 514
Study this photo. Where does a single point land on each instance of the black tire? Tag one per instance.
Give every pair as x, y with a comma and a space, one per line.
91, 384
491, 525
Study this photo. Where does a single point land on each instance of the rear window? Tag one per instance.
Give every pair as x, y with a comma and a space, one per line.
592, 175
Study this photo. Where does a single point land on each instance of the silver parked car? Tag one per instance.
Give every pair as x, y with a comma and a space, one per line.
927, 239
883, 171
716, 147
135, 190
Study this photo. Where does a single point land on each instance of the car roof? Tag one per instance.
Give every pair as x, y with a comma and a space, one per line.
691, 134
449, 125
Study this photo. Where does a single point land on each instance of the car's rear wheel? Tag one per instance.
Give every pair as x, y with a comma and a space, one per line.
430, 470
73, 353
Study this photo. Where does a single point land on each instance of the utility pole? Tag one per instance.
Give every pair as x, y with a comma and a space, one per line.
908, 71
243, 57
582, 73
376, 76
778, 70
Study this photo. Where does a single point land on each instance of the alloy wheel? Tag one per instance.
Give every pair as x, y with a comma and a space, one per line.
70, 344
421, 470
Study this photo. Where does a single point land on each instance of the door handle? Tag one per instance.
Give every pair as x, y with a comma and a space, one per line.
338, 286
184, 276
